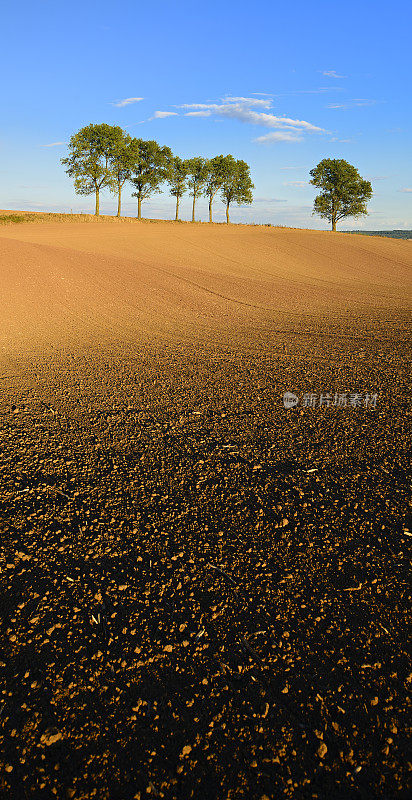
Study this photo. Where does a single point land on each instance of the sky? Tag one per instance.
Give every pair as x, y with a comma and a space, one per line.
279, 85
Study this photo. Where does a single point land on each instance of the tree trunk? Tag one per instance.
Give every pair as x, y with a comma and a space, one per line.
119, 201
193, 209
177, 210
210, 209
97, 211
139, 208
227, 214
333, 224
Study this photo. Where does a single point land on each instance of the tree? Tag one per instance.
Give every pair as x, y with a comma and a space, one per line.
216, 173
237, 186
122, 163
197, 171
91, 149
177, 179
344, 192
151, 170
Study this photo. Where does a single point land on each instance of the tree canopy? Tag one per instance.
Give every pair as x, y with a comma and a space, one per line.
197, 174
177, 180
150, 171
90, 151
123, 160
344, 193
237, 185
217, 170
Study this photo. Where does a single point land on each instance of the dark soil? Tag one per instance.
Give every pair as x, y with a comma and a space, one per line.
204, 595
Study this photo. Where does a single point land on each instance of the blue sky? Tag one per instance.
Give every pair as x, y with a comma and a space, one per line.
280, 85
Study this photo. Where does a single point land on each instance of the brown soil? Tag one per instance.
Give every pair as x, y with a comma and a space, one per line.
203, 594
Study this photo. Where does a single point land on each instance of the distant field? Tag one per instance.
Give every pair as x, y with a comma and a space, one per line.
390, 234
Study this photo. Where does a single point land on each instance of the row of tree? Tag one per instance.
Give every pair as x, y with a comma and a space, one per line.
105, 156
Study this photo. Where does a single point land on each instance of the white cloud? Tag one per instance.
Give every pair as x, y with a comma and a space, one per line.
127, 101
406, 190
53, 144
164, 114
248, 101
279, 136
243, 110
359, 102
206, 113
363, 102
288, 168
297, 184
332, 74
229, 100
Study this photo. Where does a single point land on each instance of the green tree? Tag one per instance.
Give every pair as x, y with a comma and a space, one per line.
122, 163
344, 193
152, 168
237, 186
177, 180
217, 169
90, 151
197, 171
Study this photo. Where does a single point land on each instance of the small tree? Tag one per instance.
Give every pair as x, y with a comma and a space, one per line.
237, 186
216, 173
122, 163
151, 170
344, 192
177, 179
197, 171
89, 159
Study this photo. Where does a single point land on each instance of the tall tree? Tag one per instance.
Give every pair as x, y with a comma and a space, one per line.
344, 193
151, 170
90, 151
216, 173
197, 171
177, 180
122, 162
237, 186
